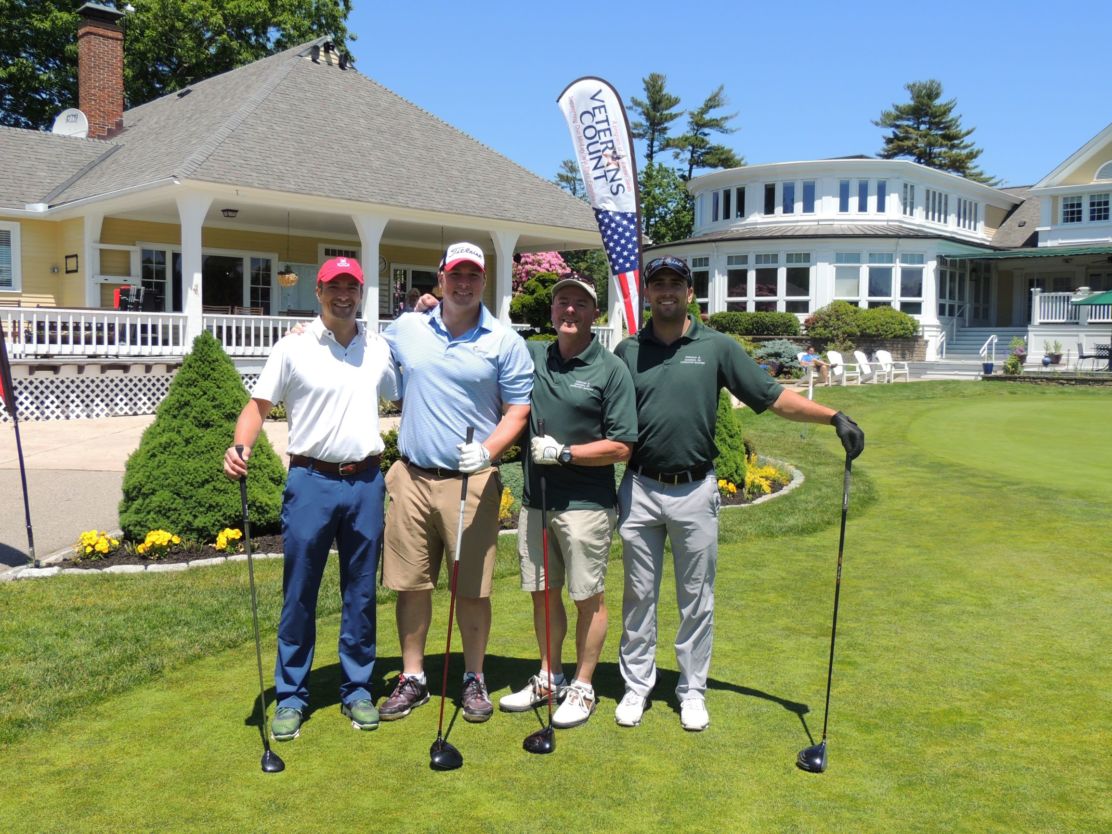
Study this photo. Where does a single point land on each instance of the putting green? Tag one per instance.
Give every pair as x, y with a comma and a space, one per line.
1030, 441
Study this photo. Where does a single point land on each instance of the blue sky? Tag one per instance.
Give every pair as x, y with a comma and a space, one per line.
805, 78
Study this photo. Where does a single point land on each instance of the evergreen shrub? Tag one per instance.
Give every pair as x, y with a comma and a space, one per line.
837, 322
730, 463
887, 323
781, 351
533, 303
756, 324
175, 480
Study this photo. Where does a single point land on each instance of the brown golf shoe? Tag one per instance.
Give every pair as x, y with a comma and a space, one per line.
408, 694
475, 700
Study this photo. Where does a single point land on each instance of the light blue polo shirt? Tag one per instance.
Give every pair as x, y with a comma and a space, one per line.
449, 384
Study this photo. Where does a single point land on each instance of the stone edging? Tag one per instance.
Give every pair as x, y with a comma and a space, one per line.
28, 572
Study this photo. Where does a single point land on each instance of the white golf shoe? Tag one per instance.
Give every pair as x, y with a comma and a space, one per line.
532, 694
693, 714
629, 711
578, 706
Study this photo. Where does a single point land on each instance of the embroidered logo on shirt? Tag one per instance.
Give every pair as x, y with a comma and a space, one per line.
583, 385
693, 360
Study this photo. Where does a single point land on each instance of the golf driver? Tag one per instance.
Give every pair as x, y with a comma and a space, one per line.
271, 763
442, 755
544, 739
813, 758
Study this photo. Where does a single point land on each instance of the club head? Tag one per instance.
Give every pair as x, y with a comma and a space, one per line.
443, 756
542, 741
812, 759
272, 763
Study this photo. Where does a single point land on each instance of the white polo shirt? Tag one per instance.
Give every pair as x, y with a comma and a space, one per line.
331, 392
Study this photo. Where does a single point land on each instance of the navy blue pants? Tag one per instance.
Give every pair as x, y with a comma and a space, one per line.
318, 509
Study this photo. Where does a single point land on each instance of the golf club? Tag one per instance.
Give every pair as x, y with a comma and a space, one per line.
813, 759
271, 763
544, 739
442, 755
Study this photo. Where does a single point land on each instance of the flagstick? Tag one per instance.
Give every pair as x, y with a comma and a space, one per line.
23, 480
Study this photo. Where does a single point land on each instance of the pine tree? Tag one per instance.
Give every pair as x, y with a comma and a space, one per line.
570, 179
927, 131
656, 114
695, 145
174, 481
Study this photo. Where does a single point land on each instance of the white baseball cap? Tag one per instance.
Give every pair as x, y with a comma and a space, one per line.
459, 253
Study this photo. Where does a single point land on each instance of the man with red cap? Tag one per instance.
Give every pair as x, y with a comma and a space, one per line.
331, 380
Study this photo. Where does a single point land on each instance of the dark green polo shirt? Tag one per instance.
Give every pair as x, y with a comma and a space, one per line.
590, 397
677, 393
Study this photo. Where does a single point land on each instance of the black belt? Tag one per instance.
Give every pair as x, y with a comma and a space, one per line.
342, 469
686, 476
432, 470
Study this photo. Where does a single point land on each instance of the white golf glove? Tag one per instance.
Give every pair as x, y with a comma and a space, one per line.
473, 457
545, 450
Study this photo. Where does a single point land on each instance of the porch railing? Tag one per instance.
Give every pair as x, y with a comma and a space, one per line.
242, 335
1055, 308
61, 331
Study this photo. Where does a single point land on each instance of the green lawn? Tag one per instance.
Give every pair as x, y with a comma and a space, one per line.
971, 687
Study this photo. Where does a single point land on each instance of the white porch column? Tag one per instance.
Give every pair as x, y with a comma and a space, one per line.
192, 209
91, 256
1036, 306
370, 228
504, 243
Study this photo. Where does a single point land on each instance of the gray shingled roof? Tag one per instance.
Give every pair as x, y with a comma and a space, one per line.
1018, 229
32, 163
287, 124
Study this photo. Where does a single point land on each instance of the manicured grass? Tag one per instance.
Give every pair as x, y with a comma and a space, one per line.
970, 688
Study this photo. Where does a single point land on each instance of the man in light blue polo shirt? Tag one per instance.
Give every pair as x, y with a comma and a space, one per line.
461, 367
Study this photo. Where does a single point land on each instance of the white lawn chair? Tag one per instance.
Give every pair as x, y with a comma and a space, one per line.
891, 368
841, 372
868, 372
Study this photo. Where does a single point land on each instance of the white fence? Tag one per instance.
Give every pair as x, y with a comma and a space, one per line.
59, 331
1056, 308
249, 335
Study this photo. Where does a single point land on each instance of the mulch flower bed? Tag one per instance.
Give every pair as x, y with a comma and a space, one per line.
259, 544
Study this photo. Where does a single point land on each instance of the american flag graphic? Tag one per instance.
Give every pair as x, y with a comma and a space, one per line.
620, 240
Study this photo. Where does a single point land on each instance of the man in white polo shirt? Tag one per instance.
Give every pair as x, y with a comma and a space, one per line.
330, 380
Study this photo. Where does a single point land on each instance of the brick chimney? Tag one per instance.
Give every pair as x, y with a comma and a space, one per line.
100, 69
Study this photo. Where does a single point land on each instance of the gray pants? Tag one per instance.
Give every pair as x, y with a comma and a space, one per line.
687, 514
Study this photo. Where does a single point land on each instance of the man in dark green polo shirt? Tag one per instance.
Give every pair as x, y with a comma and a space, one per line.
584, 396
669, 489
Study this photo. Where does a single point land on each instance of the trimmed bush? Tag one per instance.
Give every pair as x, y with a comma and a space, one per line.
730, 463
175, 480
838, 322
756, 324
533, 304
887, 323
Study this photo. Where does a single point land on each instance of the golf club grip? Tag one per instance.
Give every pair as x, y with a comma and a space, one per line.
463, 482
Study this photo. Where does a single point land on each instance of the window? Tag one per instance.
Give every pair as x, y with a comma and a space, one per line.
337, 252
847, 276
737, 283
967, 214
911, 283
937, 206
862, 196
1105, 172
764, 287
1071, 209
788, 200
808, 196
880, 279
797, 282
700, 271
881, 196
908, 199
260, 283
714, 207
770, 198
726, 204
1098, 207
843, 195
739, 201
9, 257
160, 272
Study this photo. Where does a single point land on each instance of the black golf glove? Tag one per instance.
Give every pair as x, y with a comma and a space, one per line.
853, 439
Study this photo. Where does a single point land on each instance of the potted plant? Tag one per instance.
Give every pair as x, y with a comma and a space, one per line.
1054, 351
1018, 347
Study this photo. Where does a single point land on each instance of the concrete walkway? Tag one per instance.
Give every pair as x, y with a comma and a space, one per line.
75, 471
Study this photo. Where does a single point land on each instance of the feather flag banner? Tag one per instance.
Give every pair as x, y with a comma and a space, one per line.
599, 129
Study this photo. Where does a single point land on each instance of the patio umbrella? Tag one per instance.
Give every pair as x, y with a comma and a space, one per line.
1093, 301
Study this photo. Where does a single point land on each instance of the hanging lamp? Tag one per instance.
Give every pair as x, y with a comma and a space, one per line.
287, 277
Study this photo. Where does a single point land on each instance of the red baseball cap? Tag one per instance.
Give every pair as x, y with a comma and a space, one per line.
334, 267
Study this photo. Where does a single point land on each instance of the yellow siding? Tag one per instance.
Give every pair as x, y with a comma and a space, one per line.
71, 239
39, 251
993, 218
1085, 173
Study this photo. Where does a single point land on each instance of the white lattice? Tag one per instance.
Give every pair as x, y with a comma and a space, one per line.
58, 397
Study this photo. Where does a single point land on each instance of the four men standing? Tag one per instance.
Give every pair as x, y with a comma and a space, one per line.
655, 398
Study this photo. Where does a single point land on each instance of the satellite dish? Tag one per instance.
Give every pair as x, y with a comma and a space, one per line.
71, 122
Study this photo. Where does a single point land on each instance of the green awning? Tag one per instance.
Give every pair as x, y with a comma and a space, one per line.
1032, 252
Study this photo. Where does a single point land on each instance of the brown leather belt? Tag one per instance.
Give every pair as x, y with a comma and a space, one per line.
341, 469
438, 471
687, 476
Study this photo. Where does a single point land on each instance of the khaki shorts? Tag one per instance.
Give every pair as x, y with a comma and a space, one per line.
578, 550
421, 524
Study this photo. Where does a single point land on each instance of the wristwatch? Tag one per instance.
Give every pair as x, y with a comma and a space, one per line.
565, 455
